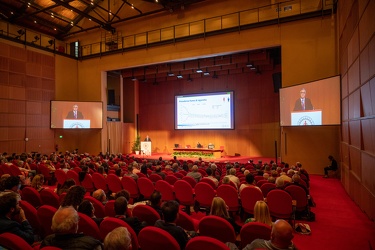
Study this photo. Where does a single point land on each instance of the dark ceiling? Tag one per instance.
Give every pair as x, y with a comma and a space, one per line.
61, 18
256, 61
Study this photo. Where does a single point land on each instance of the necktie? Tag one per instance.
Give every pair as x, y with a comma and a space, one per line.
75, 114
303, 104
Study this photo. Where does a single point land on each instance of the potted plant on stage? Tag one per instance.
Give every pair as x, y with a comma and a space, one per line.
137, 145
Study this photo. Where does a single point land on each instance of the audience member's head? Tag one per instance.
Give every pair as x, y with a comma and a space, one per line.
65, 221
194, 168
37, 181
121, 205
155, 198
9, 204
219, 208
249, 178
266, 176
262, 213
118, 239
86, 207
170, 211
282, 234
100, 195
279, 182
12, 183
246, 172
296, 178
225, 180
209, 171
271, 179
74, 197
232, 171
123, 193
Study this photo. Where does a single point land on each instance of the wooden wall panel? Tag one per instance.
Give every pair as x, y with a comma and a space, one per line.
18, 53
16, 134
353, 47
369, 139
33, 108
33, 121
364, 65
366, 24
353, 76
355, 105
372, 91
366, 100
345, 109
345, 132
371, 49
20, 81
4, 63
355, 133
17, 80
17, 66
18, 93
345, 156
33, 69
355, 162
4, 50
368, 171
33, 82
48, 72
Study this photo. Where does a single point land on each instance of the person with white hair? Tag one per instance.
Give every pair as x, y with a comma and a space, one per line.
232, 177
195, 173
65, 227
118, 239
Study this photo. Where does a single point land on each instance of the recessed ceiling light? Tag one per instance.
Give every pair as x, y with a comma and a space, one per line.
199, 71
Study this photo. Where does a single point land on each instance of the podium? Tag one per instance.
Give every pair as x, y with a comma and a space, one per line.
146, 147
76, 123
304, 118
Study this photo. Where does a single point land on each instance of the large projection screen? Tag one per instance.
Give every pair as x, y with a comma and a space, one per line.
321, 105
205, 111
89, 115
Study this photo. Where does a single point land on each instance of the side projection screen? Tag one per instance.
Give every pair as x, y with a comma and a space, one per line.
315, 103
76, 115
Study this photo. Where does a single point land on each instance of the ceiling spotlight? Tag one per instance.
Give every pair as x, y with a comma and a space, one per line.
179, 76
20, 32
36, 38
206, 73
249, 65
170, 74
134, 78
199, 71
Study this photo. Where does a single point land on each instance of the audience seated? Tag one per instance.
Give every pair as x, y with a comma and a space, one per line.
195, 173
66, 186
232, 177
37, 182
11, 184
261, 214
121, 207
211, 176
74, 197
250, 182
281, 238
219, 208
159, 172
86, 207
155, 202
118, 239
170, 215
65, 226
100, 195
130, 172
13, 219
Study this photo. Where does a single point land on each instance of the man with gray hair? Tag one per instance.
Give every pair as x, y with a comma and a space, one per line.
65, 227
118, 239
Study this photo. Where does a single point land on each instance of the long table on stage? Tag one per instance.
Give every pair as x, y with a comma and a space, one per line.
216, 152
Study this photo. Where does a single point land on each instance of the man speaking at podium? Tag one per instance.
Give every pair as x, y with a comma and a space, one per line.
303, 103
74, 114
147, 138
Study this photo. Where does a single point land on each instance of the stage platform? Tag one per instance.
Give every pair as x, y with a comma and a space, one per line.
227, 158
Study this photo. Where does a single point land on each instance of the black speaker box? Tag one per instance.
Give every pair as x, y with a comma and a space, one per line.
276, 77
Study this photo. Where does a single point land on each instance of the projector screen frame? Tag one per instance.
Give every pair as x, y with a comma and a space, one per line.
208, 94
91, 110
325, 96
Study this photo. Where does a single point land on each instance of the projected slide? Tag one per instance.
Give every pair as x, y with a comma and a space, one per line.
204, 111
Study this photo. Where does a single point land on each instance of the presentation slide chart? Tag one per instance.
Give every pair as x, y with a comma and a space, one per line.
68, 123
205, 111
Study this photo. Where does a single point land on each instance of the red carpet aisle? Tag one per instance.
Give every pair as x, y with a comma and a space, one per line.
340, 224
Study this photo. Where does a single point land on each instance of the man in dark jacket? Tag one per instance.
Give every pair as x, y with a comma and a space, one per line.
65, 226
13, 219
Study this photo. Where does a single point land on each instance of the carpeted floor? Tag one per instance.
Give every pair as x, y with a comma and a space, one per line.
339, 224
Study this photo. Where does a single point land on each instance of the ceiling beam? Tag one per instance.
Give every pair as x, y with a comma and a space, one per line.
103, 25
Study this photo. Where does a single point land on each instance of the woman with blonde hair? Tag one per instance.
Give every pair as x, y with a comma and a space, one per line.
220, 208
261, 214
38, 182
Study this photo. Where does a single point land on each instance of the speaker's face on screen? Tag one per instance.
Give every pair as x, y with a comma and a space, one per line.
302, 93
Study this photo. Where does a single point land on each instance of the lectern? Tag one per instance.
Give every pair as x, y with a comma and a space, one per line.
146, 147
302, 118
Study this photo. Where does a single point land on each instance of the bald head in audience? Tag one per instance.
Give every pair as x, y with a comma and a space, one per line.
282, 234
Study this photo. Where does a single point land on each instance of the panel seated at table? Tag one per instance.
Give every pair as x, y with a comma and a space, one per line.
216, 152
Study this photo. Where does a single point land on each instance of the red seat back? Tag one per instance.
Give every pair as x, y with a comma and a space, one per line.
218, 228
155, 177
171, 179
204, 242
87, 183
165, 189
88, 226
114, 183
230, 196
146, 213
280, 204
73, 175
209, 181
254, 230
32, 196
204, 194
109, 208
45, 214
153, 238
12, 241
190, 180
146, 187
129, 184
266, 187
298, 194
100, 182
98, 206
249, 196
184, 193
32, 216
60, 176
49, 197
